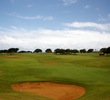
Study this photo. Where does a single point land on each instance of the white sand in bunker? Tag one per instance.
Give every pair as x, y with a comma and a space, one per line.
51, 90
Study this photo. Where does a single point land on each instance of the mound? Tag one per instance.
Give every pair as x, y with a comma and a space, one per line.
51, 90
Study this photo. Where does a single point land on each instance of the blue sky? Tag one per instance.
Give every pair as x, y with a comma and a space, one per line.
75, 24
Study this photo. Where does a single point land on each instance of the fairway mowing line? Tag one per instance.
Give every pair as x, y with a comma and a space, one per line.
51, 90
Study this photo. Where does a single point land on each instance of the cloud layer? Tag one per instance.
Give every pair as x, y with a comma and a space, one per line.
47, 38
88, 25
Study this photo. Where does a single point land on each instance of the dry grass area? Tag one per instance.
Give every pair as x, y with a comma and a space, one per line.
50, 63
9, 57
51, 90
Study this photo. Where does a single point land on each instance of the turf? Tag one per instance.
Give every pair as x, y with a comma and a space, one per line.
88, 70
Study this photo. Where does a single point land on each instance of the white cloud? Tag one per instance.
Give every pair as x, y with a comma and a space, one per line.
87, 6
68, 2
88, 25
35, 17
31, 17
46, 38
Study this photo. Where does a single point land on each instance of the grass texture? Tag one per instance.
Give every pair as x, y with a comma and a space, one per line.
88, 70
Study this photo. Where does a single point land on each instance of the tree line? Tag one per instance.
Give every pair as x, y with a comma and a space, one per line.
61, 51
57, 51
16, 50
10, 50
105, 50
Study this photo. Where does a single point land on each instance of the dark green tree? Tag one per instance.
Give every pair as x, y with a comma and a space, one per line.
103, 50
37, 51
90, 50
4, 51
56, 51
48, 50
67, 51
83, 51
108, 50
25, 51
59, 51
13, 50
74, 51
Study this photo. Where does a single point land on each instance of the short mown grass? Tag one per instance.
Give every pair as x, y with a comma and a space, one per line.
88, 70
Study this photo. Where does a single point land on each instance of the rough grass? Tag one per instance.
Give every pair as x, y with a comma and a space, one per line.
88, 70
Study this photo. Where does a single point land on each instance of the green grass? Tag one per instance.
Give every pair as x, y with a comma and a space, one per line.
88, 70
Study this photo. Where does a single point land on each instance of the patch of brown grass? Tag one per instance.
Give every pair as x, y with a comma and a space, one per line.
9, 57
50, 63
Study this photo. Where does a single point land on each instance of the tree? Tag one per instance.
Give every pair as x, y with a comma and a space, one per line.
57, 51
48, 50
22, 51
74, 51
103, 50
4, 51
90, 50
83, 51
108, 50
37, 51
25, 51
13, 50
60, 51
67, 51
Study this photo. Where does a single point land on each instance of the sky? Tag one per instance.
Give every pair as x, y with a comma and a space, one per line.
67, 24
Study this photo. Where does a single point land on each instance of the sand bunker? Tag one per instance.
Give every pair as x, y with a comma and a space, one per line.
51, 90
